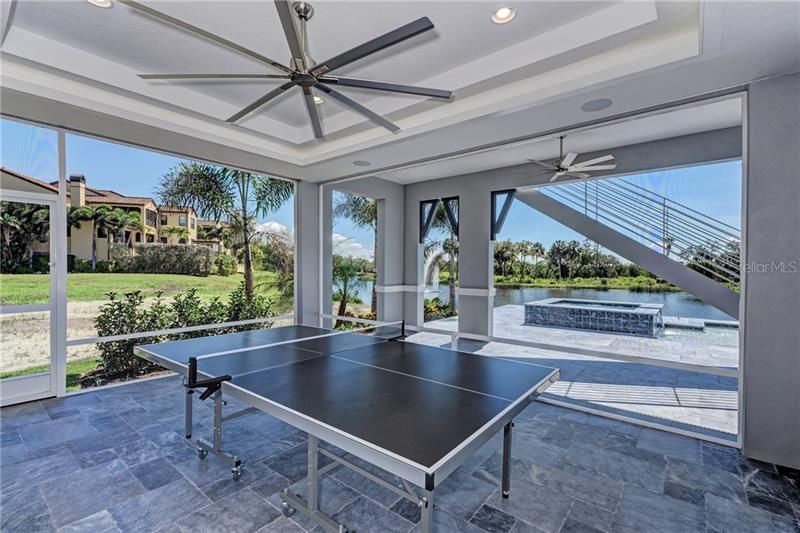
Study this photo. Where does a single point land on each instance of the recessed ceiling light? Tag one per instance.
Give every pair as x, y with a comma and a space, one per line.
100, 3
361, 163
596, 105
318, 100
503, 15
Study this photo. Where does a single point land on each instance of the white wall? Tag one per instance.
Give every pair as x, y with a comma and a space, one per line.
771, 325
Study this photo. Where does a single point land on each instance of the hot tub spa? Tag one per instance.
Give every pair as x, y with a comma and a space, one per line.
629, 318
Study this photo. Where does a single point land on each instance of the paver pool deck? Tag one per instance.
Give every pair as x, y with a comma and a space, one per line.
692, 401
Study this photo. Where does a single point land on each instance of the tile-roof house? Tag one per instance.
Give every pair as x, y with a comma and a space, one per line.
165, 224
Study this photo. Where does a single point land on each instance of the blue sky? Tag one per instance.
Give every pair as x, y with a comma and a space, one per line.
712, 189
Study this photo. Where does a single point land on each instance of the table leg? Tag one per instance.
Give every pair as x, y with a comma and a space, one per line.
218, 421
426, 507
312, 479
188, 415
507, 459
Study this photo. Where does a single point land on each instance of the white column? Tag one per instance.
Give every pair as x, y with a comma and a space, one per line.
770, 365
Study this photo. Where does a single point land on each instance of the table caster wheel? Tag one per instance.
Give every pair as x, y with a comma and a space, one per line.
201, 453
236, 473
288, 511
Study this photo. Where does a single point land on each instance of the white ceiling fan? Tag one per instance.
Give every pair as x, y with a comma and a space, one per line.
565, 164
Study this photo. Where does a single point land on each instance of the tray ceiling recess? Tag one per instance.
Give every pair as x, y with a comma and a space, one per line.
303, 72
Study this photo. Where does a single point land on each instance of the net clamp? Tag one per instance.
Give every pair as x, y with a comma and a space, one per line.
210, 385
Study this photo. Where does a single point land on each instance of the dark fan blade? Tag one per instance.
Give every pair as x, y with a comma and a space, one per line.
386, 40
313, 114
290, 30
213, 76
552, 168
385, 86
261, 101
204, 34
374, 117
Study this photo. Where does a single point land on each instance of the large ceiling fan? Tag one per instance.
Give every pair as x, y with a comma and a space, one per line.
303, 72
565, 164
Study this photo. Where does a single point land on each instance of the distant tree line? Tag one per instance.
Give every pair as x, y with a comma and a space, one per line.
524, 260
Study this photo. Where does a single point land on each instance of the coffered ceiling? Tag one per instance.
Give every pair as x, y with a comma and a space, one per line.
505, 77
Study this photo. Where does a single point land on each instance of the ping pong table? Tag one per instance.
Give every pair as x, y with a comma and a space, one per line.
413, 410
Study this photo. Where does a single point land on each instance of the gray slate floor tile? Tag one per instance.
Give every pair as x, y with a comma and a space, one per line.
21, 508
281, 525
617, 466
493, 520
641, 510
462, 494
717, 482
590, 515
586, 486
366, 515
50, 432
726, 516
448, 523
669, 444
157, 508
37, 468
542, 506
243, 512
155, 473
84, 493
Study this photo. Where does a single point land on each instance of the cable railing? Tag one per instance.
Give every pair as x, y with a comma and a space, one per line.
702, 242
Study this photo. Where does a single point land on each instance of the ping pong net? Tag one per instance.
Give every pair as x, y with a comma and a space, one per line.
379, 331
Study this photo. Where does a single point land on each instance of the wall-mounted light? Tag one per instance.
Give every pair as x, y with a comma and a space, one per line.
504, 15
318, 100
100, 3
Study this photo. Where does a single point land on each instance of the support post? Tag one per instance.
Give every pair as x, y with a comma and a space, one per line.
426, 508
218, 421
507, 459
312, 478
188, 415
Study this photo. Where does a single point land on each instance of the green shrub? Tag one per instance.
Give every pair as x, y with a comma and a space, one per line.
82, 266
188, 259
225, 265
105, 267
130, 314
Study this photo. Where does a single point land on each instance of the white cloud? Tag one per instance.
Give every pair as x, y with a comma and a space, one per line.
342, 244
275, 228
348, 246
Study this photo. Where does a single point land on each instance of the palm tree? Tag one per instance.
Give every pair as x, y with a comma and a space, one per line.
99, 216
556, 255
346, 280
503, 255
363, 212
9, 223
176, 231
235, 195
121, 221
450, 247
571, 253
522, 250
537, 251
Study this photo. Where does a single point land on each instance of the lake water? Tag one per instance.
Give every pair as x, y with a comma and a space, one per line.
681, 304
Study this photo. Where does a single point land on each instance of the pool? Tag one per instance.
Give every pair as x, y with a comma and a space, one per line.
629, 318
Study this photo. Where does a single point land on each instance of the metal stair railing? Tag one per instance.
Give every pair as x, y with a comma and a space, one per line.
693, 235
711, 245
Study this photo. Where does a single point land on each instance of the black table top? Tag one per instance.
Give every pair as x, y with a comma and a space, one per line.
417, 401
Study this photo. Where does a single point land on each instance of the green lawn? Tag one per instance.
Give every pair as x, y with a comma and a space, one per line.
642, 283
21, 289
75, 369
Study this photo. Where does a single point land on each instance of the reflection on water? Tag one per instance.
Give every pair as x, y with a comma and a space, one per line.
681, 304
